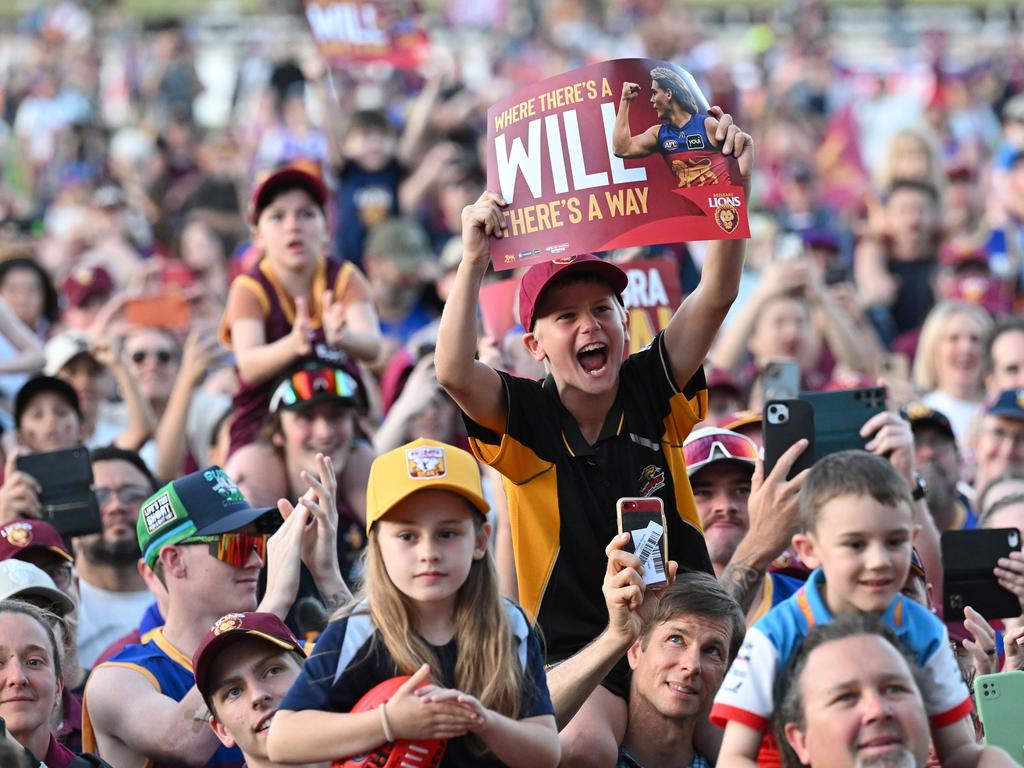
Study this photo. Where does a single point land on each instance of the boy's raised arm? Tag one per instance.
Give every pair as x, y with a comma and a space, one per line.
475, 386
695, 324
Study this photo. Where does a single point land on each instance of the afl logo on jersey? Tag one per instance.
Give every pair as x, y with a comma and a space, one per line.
670, 145
695, 141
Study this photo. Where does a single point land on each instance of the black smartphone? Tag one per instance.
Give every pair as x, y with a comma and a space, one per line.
829, 421
67, 500
839, 416
968, 558
785, 422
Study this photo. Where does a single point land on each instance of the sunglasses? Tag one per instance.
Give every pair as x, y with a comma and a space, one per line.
128, 494
305, 385
234, 548
718, 447
163, 357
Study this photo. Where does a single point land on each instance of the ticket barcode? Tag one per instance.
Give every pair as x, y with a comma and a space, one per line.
646, 547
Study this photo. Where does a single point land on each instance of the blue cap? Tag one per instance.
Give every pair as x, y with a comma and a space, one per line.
1009, 404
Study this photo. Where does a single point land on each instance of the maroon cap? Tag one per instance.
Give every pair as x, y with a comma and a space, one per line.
85, 283
233, 627
954, 254
297, 173
21, 536
989, 293
539, 276
719, 378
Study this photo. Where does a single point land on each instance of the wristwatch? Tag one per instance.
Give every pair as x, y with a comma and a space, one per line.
920, 486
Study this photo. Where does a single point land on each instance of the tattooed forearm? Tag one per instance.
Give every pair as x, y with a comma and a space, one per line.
743, 582
336, 599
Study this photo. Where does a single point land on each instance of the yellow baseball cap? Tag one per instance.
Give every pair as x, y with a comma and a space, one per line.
419, 466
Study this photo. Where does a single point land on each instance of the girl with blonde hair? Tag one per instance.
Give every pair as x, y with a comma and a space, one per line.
429, 608
948, 363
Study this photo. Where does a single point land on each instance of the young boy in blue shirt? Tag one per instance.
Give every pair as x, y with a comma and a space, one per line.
858, 533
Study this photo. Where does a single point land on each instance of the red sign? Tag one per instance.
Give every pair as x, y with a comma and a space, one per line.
651, 298
350, 32
497, 302
584, 167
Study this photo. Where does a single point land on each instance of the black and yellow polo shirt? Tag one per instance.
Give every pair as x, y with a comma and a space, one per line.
562, 491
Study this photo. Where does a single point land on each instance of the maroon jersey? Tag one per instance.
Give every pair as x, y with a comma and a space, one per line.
252, 400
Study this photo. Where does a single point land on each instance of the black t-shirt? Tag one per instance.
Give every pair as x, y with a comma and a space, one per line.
562, 491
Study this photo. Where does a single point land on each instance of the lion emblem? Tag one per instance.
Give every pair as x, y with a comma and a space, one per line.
726, 218
18, 535
227, 623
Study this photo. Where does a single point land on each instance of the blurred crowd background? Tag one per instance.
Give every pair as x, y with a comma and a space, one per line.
889, 189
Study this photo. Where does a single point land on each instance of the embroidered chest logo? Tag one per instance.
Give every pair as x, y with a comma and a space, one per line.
652, 478
695, 141
669, 144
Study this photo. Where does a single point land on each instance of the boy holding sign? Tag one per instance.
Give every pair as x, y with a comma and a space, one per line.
599, 427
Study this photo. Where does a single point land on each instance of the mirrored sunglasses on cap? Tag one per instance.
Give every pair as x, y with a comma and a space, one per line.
234, 548
719, 446
305, 385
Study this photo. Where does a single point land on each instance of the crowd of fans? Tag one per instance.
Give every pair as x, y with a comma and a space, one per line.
264, 329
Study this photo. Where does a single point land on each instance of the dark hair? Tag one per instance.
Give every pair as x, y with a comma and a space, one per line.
51, 302
13, 605
669, 79
370, 121
853, 472
913, 185
1006, 324
788, 696
113, 453
699, 594
39, 385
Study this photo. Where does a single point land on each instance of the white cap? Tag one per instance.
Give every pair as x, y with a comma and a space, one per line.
20, 580
62, 349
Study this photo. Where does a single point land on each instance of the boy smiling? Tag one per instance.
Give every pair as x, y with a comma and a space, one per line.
600, 426
858, 532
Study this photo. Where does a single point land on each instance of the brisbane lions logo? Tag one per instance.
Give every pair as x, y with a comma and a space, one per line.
726, 217
425, 463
